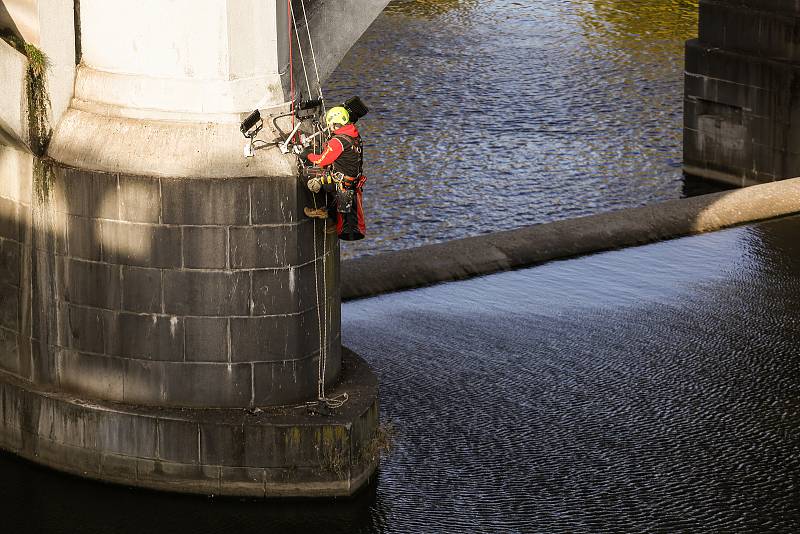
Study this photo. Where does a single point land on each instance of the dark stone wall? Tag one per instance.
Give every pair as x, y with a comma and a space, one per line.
183, 292
742, 91
277, 452
15, 271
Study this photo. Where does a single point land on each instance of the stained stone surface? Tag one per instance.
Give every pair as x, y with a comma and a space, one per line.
286, 451
741, 101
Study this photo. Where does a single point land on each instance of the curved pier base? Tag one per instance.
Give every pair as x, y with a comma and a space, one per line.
274, 452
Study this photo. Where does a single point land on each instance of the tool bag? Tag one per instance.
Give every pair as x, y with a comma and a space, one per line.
351, 225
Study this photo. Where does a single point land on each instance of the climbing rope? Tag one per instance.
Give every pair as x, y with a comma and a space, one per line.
322, 322
313, 56
299, 48
291, 59
322, 316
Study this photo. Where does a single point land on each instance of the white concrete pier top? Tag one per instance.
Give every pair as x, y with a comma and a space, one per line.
163, 84
208, 56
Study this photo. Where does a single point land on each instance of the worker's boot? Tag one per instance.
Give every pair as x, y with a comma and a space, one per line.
316, 213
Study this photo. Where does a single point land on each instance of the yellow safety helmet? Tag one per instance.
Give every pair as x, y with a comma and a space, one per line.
337, 115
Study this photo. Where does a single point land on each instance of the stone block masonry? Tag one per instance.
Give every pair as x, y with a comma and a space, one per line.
742, 94
167, 291
276, 452
165, 333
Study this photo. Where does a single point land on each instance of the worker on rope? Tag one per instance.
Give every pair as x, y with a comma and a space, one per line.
342, 159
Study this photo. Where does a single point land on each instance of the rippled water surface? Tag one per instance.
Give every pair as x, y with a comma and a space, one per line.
495, 114
653, 389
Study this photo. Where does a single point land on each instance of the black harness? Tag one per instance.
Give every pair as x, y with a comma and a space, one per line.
351, 162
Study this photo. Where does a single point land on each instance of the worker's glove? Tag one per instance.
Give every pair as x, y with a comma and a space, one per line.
303, 155
314, 185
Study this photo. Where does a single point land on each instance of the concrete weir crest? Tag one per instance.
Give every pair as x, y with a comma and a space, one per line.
158, 325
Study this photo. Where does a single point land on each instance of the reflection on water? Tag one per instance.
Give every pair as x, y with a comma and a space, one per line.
633, 22
652, 389
429, 8
497, 114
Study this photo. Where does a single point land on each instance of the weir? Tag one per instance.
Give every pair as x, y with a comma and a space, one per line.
167, 310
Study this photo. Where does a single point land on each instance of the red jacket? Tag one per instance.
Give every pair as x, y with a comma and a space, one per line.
333, 148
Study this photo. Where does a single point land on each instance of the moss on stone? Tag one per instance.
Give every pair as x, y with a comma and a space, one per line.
380, 444
43, 178
38, 99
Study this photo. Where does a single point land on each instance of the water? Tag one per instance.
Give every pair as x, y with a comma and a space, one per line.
648, 390
496, 114
652, 389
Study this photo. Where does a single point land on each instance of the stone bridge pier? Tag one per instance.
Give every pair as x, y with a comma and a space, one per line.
742, 105
166, 309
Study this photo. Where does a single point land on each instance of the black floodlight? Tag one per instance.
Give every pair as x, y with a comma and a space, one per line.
310, 104
356, 108
252, 124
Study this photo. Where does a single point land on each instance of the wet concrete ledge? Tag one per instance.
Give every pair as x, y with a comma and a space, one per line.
275, 452
485, 254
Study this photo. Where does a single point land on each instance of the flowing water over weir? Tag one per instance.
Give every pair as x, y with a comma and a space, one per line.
652, 389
